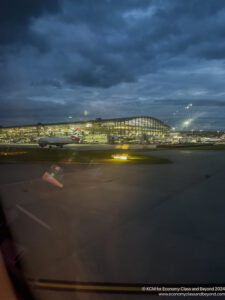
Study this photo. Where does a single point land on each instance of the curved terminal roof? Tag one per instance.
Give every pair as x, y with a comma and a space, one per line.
141, 120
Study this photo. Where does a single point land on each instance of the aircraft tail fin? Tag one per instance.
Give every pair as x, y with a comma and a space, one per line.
75, 134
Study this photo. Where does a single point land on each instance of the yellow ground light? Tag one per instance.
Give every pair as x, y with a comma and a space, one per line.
120, 157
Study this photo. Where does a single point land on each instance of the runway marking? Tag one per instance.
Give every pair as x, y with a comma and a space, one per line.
33, 217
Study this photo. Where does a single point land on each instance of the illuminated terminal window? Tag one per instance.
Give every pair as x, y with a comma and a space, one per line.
92, 131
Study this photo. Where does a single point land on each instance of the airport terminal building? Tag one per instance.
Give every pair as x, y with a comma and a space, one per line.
120, 130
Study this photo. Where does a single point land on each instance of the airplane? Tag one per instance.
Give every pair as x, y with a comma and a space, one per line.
213, 140
60, 142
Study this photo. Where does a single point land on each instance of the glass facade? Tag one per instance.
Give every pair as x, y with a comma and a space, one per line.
95, 130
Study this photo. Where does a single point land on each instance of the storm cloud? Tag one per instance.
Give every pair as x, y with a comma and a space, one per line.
112, 58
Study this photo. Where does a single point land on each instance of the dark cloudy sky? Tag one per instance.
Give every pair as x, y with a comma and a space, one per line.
112, 58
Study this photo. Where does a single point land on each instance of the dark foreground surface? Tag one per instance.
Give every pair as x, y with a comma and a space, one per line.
120, 224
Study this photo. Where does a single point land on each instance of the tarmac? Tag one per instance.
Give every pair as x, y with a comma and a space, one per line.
120, 224
85, 146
